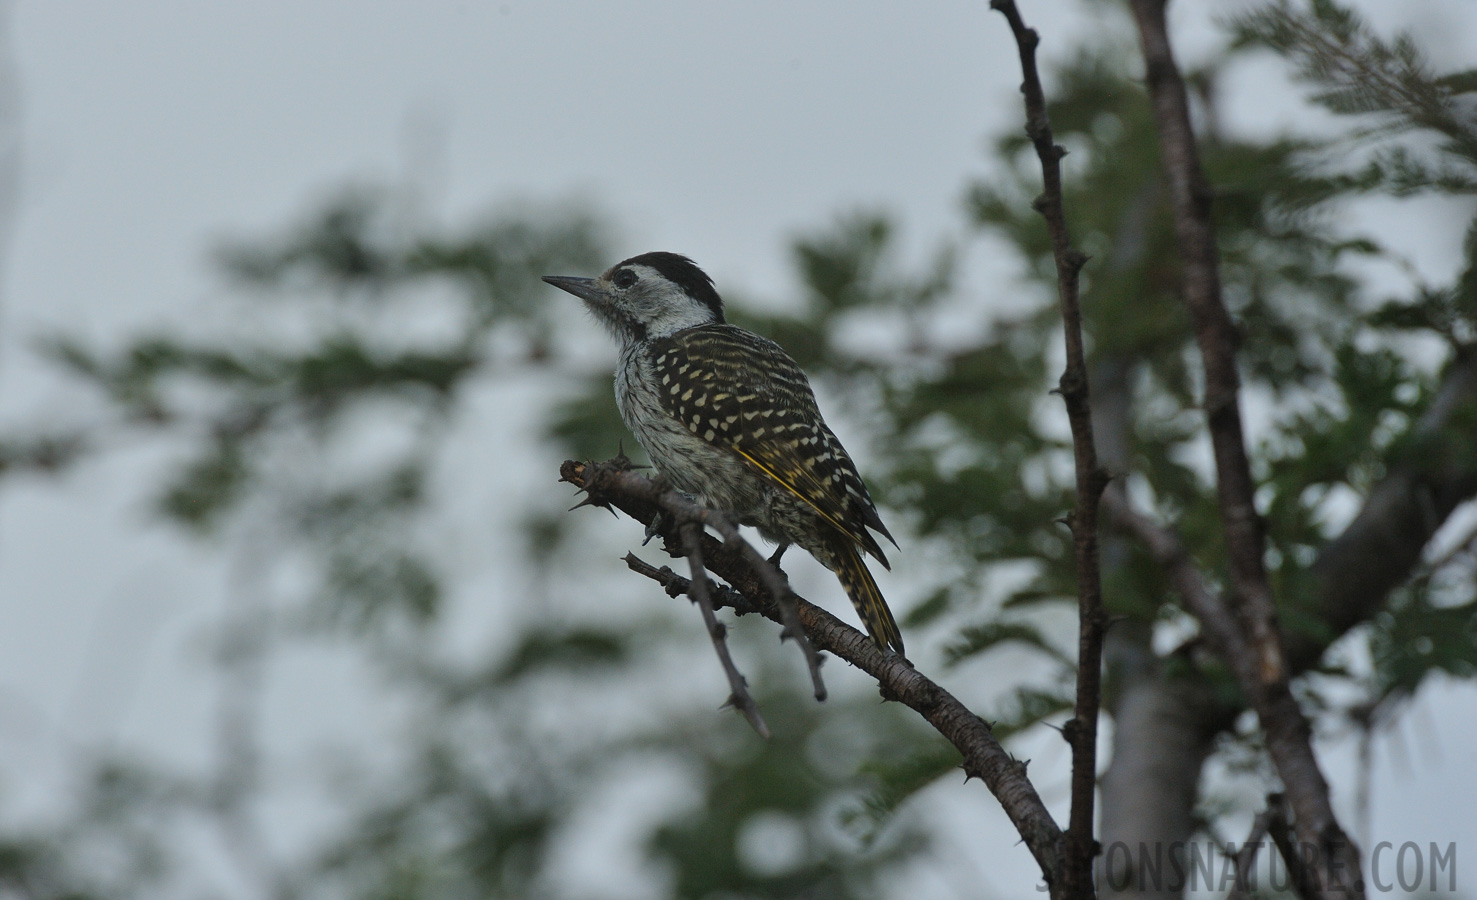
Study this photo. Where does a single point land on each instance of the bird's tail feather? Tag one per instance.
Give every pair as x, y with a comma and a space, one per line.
866, 596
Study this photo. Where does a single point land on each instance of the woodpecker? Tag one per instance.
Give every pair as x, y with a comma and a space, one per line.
728, 417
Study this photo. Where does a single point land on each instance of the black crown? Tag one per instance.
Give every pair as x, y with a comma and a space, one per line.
683, 272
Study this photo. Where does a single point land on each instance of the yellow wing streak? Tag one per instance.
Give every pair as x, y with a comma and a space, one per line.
768, 470
742, 392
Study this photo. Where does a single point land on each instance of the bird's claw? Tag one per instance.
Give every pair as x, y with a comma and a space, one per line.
658, 527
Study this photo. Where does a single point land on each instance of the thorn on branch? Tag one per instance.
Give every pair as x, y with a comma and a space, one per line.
592, 500
887, 693
657, 527
1072, 386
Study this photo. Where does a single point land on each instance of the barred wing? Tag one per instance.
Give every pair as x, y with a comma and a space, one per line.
736, 389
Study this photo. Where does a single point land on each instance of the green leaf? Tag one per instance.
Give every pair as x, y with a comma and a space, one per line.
976, 639
206, 489
897, 781
575, 650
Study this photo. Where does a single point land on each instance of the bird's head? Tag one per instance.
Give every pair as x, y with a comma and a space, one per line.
648, 296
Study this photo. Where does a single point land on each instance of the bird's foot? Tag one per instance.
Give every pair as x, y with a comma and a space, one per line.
774, 559
661, 523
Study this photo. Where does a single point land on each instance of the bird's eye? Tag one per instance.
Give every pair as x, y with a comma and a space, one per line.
624, 278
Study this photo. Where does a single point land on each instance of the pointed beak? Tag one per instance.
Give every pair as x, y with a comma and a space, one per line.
584, 288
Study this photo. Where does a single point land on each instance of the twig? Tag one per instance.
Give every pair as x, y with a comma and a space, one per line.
984, 758
740, 699
722, 596
779, 588
1303, 882
1218, 625
1081, 731
1246, 856
1221, 631
682, 511
1261, 669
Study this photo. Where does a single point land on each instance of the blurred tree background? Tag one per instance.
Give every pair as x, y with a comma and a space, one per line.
356, 440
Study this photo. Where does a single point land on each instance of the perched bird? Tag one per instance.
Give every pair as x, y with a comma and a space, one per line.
728, 417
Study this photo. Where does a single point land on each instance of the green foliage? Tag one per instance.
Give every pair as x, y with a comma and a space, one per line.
207, 486
582, 648
114, 847
764, 825
898, 781
1357, 73
977, 639
588, 424
1420, 634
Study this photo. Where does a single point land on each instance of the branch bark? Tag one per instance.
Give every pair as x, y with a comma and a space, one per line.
1378, 550
682, 511
1260, 666
1304, 882
643, 499
1081, 731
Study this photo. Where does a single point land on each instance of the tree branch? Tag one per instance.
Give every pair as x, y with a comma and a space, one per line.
611, 484
1217, 624
1353, 575
740, 698
1081, 731
1379, 549
683, 511
1261, 668
1304, 883
1216, 336
1246, 857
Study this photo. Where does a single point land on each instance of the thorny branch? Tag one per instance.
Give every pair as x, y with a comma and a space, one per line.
614, 484
1081, 730
1260, 666
698, 591
681, 511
